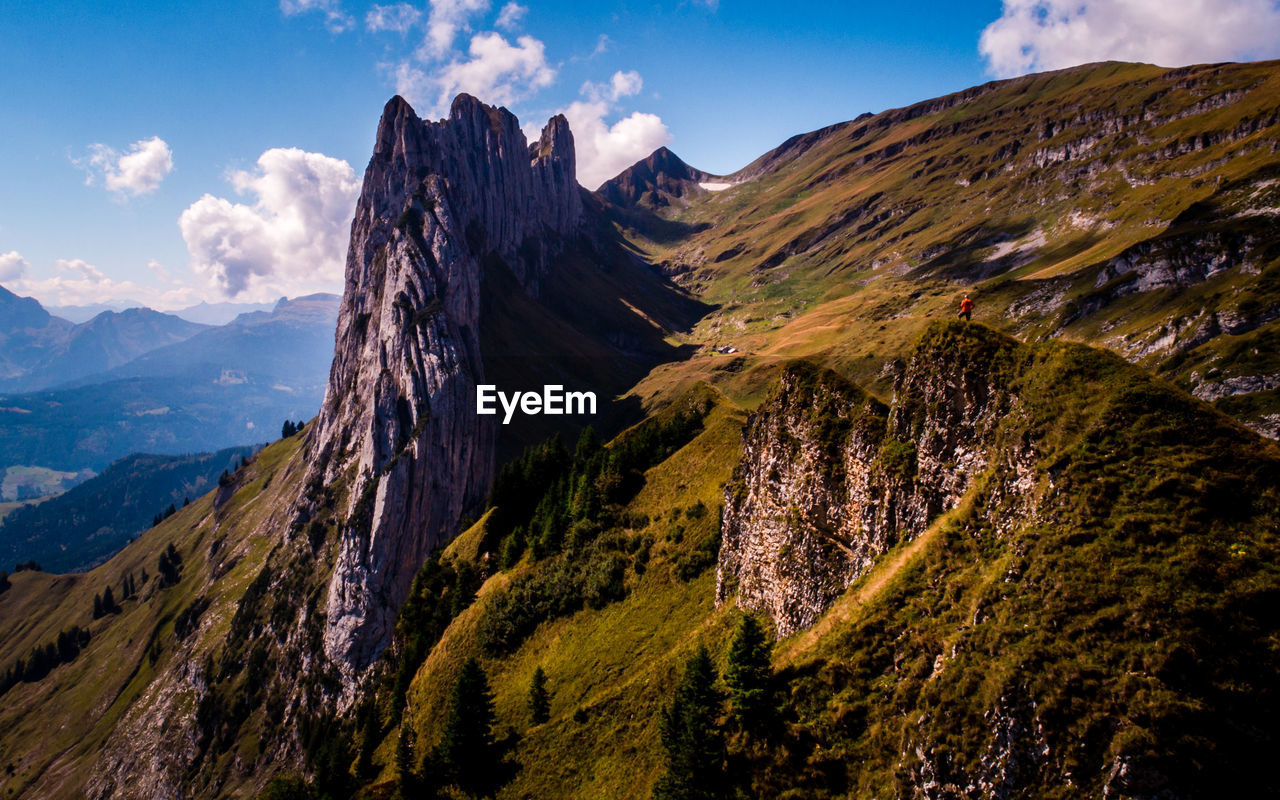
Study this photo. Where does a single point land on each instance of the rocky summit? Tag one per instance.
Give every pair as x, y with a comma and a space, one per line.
440, 199
822, 539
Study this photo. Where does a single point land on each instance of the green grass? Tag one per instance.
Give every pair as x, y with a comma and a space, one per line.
1139, 560
54, 730
1084, 606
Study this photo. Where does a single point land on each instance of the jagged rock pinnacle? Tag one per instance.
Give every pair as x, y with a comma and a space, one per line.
440, 201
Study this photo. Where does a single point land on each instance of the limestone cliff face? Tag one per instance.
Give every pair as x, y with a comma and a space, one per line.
830, 479
441, 201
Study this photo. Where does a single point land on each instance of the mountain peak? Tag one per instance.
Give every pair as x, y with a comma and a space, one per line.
21, 312
660, 179
441, 201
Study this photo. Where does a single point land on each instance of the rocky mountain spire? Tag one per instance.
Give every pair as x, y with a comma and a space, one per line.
442, 202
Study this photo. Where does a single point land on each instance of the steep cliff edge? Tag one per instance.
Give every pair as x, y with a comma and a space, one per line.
830, 479
439, 200
1094, 617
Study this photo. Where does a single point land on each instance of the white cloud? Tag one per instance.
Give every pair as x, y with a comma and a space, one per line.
417, 87
622, 84
76, 266
12, 266
291, 240
604, 150
497, 71
510, 16
138, 171
76, 282
336, 20
399, 18
1034, 35
447, 19
160, 271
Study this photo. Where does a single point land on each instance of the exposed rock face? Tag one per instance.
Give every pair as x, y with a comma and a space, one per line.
441, 200
830, 479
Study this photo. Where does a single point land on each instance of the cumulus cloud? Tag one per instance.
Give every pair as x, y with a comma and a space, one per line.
622, 84
604, 150
447, 19
336, 20
12, 266
137, 171
398, 18
496, 70
290, 240
1034, 35
510, 16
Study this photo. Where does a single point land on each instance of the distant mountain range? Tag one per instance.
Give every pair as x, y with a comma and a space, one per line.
142, 381
204, 313
87, 524
39, 350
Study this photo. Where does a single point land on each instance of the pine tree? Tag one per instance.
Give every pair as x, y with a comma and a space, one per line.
539, 698
587, 446
467, 749
693, 743
748, 674
109, 602
288, 429
97, 606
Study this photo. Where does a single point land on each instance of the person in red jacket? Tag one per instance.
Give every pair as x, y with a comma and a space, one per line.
966, 308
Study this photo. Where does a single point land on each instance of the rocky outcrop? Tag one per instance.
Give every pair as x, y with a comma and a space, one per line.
442, 203
830, 479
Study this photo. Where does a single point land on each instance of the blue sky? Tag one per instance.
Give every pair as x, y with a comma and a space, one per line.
251, 122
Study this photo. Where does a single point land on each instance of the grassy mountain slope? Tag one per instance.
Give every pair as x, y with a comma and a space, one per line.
1124, 621
1118, 204
56, 729
88, 523
1051, 641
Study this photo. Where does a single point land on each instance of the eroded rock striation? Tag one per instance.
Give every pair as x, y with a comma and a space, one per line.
830, 478
442, 202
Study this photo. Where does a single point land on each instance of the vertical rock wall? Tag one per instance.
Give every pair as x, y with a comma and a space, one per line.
830, 479
441, 200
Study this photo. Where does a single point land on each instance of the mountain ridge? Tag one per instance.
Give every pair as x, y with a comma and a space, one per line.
1059, 627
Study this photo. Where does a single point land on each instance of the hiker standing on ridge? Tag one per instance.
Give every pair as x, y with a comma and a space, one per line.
966, 308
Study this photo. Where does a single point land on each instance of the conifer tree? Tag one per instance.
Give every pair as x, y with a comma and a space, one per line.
467, 749
109, 602
539, 698
97, 606
693, 743
748, 674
